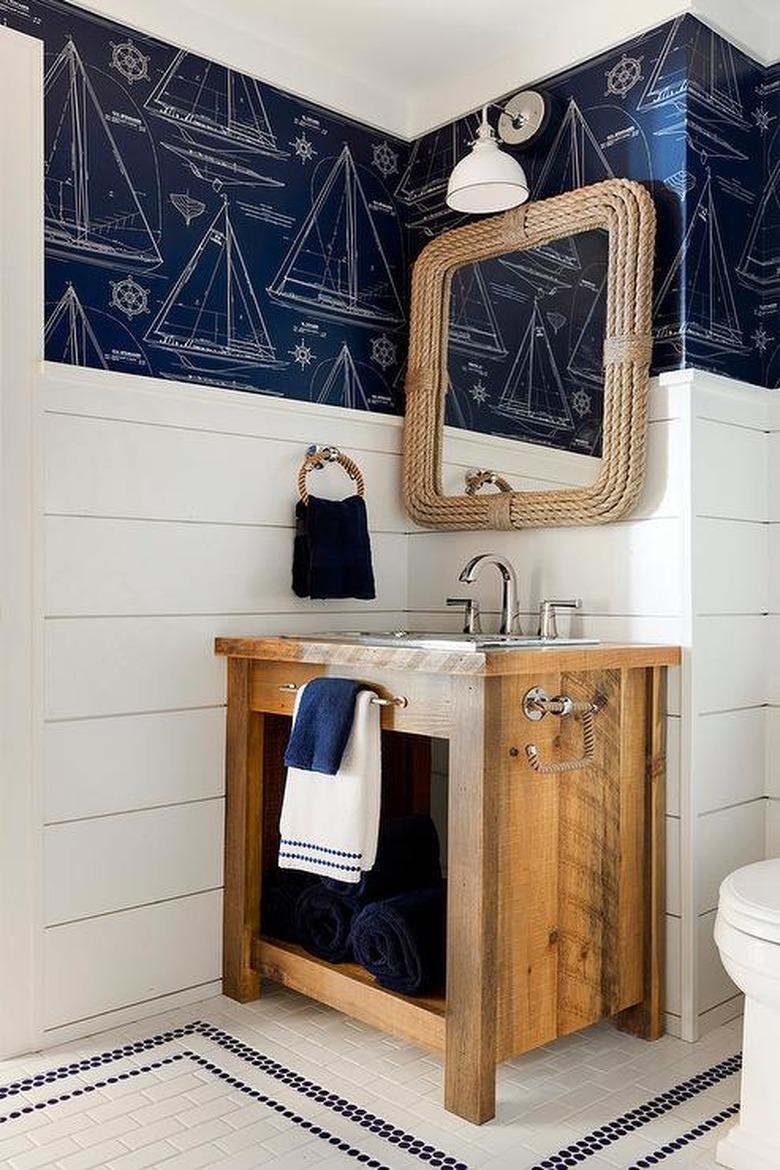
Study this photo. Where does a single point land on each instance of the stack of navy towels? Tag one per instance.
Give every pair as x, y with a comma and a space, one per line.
392, 922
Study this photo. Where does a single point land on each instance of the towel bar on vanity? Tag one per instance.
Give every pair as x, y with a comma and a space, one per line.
537, 703
395, 701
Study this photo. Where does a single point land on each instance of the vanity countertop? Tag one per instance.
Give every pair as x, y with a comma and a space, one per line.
602, 656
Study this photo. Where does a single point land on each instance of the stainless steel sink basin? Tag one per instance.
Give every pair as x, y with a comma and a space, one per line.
421, 640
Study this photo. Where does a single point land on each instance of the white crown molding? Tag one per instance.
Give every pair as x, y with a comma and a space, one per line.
751, 25
552, 45
219, 36
555, 40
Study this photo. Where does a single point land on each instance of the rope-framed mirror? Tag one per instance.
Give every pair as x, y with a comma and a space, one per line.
622, 212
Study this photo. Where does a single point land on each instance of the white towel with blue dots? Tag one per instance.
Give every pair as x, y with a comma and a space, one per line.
330, 824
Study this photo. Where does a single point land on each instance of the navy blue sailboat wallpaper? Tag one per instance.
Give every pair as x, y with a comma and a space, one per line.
202, 226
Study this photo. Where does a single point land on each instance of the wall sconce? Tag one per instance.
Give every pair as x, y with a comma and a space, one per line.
488, 179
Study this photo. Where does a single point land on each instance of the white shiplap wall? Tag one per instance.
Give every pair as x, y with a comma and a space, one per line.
730, 543
167, 522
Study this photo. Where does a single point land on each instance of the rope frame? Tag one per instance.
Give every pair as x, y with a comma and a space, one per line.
625, 211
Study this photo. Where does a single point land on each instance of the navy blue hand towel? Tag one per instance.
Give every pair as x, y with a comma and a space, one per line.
323, 923
323, 723
332, 549
401, 941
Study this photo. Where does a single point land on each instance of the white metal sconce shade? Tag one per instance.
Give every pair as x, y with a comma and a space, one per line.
487, 179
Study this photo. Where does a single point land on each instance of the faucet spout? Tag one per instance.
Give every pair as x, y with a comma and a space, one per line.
469, 573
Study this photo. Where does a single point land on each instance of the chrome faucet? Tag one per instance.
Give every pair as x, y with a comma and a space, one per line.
510, 623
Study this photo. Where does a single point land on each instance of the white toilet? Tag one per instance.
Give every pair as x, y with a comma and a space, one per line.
747, 931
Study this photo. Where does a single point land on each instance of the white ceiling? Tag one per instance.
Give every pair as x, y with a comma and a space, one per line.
398, 42
408, 65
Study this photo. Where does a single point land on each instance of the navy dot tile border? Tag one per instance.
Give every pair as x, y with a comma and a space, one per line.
685, 1139
613, 1131
415, 1146
234, 1082
575, 1154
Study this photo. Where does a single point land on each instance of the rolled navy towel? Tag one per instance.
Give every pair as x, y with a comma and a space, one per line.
281, 891
407, 858
401, 941
323, 923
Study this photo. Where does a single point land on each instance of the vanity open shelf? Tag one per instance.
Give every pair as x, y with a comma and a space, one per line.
351, 989
555, 902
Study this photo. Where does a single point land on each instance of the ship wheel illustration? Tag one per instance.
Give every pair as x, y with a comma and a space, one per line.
129, 297
623, 76
128, 60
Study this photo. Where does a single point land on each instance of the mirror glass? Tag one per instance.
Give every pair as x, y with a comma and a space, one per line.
524, 361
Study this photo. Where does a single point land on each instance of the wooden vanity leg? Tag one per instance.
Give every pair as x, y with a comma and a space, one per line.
470, 1047
647, 1019
243, 816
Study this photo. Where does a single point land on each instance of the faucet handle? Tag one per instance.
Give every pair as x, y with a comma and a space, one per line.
548, 626
471, 616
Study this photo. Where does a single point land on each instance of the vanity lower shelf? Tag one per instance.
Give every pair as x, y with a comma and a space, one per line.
350, 989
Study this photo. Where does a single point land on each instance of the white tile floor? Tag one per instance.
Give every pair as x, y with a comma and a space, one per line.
191, 1100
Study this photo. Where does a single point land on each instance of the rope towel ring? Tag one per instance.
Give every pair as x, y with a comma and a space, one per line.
317, 458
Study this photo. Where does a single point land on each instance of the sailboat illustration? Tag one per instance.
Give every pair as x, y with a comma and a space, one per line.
699, 277
217, 101
668, 80
533, 391
91, 207
586, 359
342, 385
326, 271
698, 64
212, 310
431, 160
473, 324
219, 170
187, 207
456, 409
545, 274
575, 158
69, 336
701, 138
423, 182
760, 263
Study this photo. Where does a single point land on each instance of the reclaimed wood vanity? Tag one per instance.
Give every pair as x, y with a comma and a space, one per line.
555, 904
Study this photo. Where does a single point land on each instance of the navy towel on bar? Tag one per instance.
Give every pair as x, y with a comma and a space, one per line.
323, 723
332, 549
401, 941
